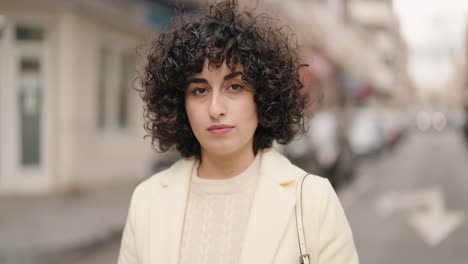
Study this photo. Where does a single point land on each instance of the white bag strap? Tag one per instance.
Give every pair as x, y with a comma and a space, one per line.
305, 257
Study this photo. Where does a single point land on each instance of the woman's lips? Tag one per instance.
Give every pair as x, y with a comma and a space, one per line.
220, 130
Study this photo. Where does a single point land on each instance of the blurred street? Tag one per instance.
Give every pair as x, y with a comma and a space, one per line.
393, 190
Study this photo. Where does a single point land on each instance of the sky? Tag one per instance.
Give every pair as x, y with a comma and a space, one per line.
435, 32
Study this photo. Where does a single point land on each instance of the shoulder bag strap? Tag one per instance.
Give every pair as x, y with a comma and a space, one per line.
305, 257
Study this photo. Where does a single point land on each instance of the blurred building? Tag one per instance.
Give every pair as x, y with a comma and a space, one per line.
380, 28
452, 96
360, 40
452, 93
68, 114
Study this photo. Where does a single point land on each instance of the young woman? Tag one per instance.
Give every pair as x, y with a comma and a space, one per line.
220, 89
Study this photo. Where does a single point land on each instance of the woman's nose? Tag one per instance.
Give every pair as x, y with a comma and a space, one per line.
217, 107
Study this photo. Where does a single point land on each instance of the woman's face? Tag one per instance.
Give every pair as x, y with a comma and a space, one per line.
221, 110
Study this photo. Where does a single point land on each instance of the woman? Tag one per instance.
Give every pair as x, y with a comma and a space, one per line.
220, 89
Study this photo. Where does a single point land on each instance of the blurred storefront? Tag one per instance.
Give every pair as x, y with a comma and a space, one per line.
69, 117
452, 94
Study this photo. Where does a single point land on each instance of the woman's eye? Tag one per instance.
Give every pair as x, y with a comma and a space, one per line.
200, 91
235, 87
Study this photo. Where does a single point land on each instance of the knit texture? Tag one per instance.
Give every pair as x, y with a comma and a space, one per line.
216, 217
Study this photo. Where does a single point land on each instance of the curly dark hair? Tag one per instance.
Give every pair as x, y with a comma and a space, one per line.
223, 34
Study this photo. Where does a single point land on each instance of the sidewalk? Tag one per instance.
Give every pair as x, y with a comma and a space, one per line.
31, 227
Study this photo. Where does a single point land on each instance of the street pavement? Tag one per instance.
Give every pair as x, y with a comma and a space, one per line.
411, 205
53, 228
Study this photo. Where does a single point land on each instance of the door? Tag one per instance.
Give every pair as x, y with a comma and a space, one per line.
25, 122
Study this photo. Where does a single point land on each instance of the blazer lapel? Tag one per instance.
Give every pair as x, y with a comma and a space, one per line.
168, 213
272, 209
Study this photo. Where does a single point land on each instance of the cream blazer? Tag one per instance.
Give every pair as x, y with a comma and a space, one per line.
153, 230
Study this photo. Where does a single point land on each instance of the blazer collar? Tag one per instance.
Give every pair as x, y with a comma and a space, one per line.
274, 166
167, 213
271, 210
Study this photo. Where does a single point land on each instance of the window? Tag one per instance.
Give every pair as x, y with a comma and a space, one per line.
126, 81
102, 88
29, 33
116, 75
30, 114
2, 25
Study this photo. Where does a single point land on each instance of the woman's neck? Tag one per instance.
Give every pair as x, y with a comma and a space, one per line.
224, 167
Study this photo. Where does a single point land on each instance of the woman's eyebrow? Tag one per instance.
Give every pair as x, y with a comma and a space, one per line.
232, 75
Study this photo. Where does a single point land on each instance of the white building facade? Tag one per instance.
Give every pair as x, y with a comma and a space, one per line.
69, 117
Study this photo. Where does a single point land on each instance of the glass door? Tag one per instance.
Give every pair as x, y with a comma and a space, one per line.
29, 96
25, 122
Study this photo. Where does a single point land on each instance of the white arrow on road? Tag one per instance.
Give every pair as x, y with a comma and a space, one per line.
427, 213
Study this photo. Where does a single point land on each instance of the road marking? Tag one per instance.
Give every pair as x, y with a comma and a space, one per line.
427, 214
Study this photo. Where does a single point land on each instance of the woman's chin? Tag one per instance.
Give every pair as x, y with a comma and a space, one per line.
222, 150
219, 152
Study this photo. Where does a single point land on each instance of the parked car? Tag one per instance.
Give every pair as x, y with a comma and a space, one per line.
323, 150
394, 126
366, 135
431, 119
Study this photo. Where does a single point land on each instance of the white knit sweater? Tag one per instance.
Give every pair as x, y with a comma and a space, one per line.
216, 217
